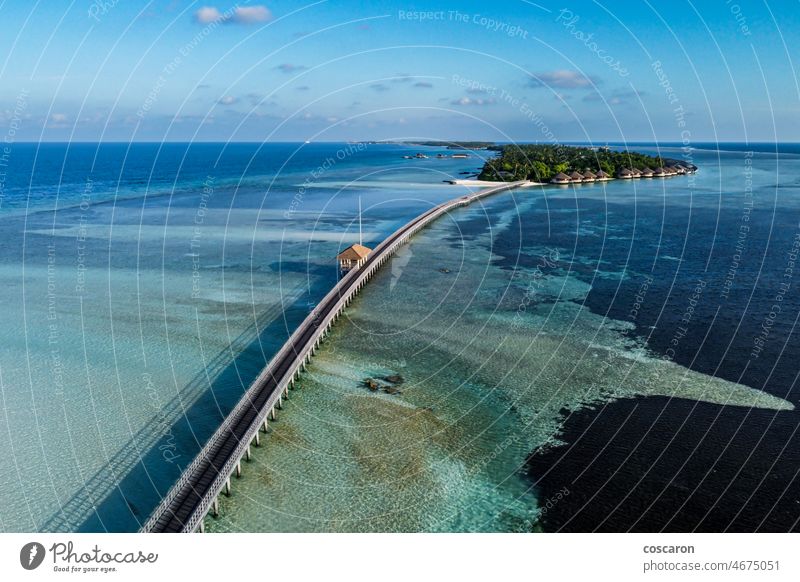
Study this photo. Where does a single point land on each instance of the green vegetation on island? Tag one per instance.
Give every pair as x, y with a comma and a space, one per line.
542, 163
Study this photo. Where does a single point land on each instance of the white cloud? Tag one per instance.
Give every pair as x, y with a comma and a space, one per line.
228, 100
563, 79
251, 14
207, 15
471, 101
239, 15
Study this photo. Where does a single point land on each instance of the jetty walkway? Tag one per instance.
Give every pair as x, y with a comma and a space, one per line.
196, 493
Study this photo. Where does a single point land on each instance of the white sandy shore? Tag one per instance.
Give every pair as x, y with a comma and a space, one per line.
482, 183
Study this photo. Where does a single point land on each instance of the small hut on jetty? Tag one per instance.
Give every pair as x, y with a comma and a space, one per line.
353, 256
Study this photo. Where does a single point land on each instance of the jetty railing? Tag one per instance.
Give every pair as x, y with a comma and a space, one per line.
196, 492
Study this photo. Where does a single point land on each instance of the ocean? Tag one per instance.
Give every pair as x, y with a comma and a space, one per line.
610, 356
145, 285
606, 357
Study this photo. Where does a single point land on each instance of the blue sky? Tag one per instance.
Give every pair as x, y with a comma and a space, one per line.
507, 70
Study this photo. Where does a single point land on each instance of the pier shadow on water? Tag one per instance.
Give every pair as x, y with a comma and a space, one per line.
121, 496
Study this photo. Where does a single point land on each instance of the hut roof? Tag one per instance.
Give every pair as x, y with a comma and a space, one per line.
561, 177
602, 174
647, 171
589, 174
354, 252
624, 172
576, 176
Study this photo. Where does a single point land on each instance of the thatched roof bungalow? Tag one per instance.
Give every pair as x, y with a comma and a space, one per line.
560, 178
576, 177
601, 175
624, 174
588, 176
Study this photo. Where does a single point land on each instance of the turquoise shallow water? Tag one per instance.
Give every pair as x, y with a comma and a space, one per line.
490, 331
143, 293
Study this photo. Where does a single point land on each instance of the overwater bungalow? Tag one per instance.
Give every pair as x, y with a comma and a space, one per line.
636, 173
560, 178
659, 173
601, 175
647, 173
589, 176
576, 177
624, 174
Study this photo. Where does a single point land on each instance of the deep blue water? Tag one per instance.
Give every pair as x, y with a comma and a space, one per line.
655, 463
56, 174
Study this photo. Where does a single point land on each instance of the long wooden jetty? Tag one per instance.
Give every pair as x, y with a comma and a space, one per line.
196, 493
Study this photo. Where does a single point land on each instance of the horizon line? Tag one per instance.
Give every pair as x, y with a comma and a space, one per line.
391, 141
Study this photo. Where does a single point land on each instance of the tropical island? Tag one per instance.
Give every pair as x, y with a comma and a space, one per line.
567, 164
